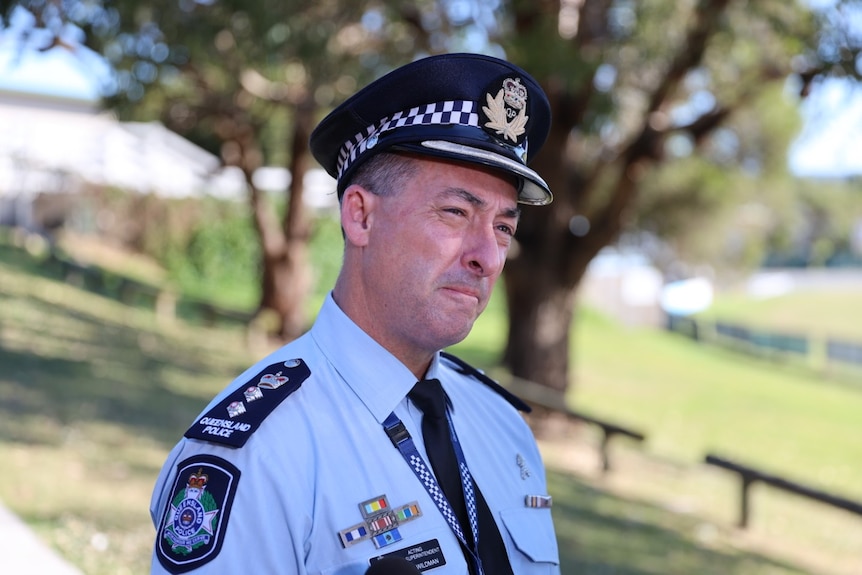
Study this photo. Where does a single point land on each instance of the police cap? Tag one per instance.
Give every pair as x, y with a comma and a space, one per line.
467, 107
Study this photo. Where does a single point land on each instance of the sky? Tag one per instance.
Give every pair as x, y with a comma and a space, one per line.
830, 144
55, 73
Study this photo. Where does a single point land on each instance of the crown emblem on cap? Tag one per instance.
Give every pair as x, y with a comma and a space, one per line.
506, 112
514, 93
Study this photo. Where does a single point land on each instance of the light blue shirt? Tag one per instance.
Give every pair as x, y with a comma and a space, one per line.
300, 478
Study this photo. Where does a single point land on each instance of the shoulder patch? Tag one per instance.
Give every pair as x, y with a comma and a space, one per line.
466, 369
192, 530
233, 420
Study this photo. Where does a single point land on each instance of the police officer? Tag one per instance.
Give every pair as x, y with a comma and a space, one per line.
362, 440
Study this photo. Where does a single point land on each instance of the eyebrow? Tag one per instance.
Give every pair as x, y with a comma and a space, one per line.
474, 200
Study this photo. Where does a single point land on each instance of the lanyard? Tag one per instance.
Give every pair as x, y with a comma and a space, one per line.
401, 439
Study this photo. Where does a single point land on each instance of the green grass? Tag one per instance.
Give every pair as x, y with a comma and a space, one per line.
94, 393
603, 533
691, 398
92, 396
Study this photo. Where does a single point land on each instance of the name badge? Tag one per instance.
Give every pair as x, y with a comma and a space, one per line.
423, 556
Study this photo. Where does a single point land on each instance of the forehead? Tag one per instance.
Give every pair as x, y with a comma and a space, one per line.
476, 184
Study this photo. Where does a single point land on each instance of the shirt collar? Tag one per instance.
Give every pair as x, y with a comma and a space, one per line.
376, 376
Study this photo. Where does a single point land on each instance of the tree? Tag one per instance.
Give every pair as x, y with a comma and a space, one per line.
624, 78
245, 80
648, 97
248, 78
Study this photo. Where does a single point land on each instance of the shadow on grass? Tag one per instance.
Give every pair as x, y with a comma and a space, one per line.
87, 366
65, 391
603, 534
94, 369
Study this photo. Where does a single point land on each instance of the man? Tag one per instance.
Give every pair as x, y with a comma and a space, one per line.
361, 440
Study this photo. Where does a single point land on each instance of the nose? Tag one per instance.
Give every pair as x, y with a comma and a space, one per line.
483, 253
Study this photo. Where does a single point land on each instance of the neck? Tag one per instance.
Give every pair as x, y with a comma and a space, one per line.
354, 305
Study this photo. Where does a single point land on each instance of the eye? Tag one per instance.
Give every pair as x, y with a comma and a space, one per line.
506, 229
455, 211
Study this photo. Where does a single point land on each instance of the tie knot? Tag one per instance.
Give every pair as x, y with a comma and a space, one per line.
428, 395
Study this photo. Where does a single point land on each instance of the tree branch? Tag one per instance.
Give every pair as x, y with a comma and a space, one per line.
645, 148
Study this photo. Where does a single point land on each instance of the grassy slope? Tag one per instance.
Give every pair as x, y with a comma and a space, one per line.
93, 394
691, 399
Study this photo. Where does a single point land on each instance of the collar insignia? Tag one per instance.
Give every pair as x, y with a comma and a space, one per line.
525, 471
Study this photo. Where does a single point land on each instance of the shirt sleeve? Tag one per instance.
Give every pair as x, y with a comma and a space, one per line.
223, 510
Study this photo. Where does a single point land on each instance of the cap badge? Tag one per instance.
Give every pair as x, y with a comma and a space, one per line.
506, 112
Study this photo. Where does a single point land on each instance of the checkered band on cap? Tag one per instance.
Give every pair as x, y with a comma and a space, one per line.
459, 112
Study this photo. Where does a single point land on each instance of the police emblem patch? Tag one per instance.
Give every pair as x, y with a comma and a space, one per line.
194, 523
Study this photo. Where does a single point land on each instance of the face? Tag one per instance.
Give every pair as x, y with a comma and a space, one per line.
435, 249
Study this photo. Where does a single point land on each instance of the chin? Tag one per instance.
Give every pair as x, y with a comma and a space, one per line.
452, 338
450, 324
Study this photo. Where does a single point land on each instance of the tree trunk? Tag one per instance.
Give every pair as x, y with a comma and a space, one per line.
285, 285
542, 277
286, 271
540, 318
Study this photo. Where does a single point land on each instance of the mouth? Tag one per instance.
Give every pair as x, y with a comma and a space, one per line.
465, 291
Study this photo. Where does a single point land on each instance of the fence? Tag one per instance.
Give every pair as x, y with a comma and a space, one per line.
134, 292
831, 352
551, 400
749, 476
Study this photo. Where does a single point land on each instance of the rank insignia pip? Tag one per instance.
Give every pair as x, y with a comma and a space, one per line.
380, 523
194, 523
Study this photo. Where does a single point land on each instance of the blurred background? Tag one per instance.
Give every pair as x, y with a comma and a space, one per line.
685, 317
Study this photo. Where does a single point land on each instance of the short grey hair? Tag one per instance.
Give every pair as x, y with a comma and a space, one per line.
385, 173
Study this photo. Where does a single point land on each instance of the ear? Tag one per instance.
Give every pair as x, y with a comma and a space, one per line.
357, 207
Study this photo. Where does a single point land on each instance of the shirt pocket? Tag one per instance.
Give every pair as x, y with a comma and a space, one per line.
353, 568
532, 531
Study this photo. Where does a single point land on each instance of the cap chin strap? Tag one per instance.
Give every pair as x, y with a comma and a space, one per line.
532, 180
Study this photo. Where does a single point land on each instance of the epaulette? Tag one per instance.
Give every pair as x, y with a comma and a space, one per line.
233, 420
466, 369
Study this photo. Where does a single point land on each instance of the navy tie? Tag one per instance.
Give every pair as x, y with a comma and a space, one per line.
428, 395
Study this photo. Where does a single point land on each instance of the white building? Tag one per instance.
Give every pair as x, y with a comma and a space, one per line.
56, 142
